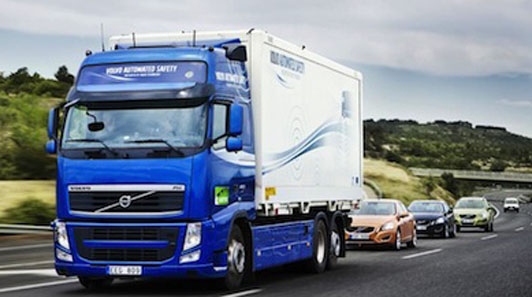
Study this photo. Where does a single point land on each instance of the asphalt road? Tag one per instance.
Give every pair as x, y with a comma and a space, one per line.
473, 264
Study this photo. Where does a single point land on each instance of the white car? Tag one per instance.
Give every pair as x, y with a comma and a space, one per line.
511, 203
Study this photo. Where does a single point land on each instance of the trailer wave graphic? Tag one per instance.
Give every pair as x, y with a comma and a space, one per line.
326, 135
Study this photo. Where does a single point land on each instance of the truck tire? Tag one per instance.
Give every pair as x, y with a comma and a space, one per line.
95, 283
320, 248
236, 259
335, 245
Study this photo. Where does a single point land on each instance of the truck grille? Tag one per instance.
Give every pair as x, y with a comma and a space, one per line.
103, 234
109, 202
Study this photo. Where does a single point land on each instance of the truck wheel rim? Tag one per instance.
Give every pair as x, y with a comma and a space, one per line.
320, 250
335, 243
237, 256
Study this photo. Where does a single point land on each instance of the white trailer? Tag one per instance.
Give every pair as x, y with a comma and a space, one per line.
307, 121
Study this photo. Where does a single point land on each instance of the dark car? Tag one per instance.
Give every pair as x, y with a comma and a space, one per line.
433, 218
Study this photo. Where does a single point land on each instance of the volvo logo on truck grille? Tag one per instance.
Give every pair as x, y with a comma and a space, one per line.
125, 201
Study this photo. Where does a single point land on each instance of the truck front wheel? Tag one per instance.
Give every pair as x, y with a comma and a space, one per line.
320, 248
236, 259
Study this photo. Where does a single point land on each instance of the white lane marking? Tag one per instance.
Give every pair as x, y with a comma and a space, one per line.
25, 264
25, 247
489, 237
530, 224
422, 254
45, 272
244, 293
519, 229
41, 285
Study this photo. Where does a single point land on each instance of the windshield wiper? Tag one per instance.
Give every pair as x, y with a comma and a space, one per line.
96, 141
158, 140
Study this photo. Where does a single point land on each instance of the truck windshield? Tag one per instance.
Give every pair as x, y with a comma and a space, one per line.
181, 127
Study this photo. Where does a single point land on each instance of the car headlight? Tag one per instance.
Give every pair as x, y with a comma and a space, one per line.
440, 221
193, 236
388, 226
484, 215
61, 236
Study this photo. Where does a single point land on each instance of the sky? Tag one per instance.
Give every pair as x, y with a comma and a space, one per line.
422, 60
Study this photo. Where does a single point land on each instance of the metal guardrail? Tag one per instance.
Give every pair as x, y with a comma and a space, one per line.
24, 229
475, 175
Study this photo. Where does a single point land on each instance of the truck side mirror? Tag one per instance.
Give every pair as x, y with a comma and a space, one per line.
53, 123
53, 120
233, 144
236, 118
51, 146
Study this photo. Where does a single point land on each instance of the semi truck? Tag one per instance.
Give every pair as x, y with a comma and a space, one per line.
204, 155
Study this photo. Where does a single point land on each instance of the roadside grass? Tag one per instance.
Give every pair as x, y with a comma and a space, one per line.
12, 192
397, 182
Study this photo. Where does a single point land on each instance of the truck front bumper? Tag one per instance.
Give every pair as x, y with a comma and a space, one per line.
207, 270
155, 248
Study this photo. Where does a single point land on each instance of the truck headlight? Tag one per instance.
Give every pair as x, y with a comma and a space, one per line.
388, 226
61, 236
193, 236
440, 221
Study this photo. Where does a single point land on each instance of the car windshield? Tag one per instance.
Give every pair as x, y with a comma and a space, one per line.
125, 128
426, 207
510, 200
470, 203
376, 208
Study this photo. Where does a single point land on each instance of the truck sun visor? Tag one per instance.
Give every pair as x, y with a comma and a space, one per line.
141, 76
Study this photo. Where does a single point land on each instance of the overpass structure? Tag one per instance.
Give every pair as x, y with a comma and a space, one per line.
475, 175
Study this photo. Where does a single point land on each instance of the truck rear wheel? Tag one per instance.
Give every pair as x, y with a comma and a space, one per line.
320, 248
236, 259
335, 245
95, 283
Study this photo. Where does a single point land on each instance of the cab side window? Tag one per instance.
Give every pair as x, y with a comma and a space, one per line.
219, 124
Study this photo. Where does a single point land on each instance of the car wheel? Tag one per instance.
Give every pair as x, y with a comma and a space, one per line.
236, 259
458, 228
491, 227
445, 232
453, 231
413, 243
505, 210
397, 243
95, 283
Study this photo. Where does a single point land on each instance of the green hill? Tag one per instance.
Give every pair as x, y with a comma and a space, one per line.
448, 145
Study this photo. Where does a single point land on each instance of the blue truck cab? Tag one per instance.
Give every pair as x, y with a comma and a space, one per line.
147, 182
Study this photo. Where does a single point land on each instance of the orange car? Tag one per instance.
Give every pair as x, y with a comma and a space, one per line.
381, 222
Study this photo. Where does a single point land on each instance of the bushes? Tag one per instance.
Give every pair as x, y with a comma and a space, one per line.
30, 211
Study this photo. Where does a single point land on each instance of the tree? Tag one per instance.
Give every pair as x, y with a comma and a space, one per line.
498, 166
63, 75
